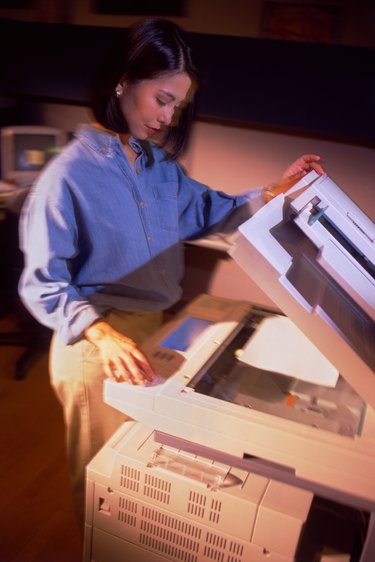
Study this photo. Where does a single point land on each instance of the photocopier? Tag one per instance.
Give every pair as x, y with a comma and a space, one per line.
256, 443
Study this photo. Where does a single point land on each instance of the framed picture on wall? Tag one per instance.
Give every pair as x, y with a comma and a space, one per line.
163, 8
302, 20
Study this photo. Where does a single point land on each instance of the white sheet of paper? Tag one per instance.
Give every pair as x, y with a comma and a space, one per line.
279, 346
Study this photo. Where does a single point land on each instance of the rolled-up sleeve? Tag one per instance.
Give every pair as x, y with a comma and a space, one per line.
48, 240
204, 210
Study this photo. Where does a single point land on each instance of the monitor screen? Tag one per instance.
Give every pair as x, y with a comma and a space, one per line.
25, 150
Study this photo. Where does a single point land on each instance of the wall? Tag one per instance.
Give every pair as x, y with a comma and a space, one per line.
237, 17
257, 157
302, 88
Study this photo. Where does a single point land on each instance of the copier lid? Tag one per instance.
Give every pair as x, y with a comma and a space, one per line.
312, 250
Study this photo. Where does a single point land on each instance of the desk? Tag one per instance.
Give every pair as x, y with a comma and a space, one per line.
31, 334
10, 255
11, 197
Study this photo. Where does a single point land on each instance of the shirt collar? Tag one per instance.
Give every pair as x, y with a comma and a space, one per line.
102, 140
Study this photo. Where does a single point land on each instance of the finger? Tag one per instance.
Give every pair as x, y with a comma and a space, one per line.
142, 364
148, 372
118, 371
135, 371
309, 158
312, 161
141, 374
120, 374
318, 168
110, 371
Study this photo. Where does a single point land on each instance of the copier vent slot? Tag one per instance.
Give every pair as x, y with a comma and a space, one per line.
127, 511
171, 536
129, 478
319, 289
217, 546
196, 504
157, 488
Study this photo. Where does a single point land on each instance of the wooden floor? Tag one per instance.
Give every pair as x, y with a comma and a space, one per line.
37, 522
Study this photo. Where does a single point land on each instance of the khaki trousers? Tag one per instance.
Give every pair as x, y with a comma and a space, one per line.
77, 379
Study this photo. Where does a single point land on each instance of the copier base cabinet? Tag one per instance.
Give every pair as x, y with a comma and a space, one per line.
150, 502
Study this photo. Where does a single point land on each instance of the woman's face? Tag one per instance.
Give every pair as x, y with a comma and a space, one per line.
150, 105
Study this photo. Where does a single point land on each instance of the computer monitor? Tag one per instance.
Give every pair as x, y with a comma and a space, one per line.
25, 150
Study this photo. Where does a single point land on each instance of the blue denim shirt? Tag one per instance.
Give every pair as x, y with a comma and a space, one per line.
97, 234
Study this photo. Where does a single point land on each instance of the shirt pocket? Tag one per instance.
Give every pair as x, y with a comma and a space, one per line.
167, 206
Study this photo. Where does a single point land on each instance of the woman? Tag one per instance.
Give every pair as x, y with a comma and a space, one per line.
102, 228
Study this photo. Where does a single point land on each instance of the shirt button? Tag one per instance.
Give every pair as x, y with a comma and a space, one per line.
149, 238
104, 150
138, 171
141, 203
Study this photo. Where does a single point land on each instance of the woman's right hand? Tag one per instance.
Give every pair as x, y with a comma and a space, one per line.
121, 357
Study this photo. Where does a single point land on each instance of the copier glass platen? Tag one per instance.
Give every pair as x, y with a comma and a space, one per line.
220, 397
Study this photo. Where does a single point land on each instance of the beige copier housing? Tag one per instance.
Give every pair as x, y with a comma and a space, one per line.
257, 441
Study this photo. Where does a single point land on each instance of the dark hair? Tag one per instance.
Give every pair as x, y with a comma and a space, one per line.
145, 51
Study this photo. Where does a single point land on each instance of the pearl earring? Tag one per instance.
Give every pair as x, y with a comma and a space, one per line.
118, 91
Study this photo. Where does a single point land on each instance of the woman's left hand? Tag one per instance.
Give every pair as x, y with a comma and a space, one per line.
299, 168
304, 164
